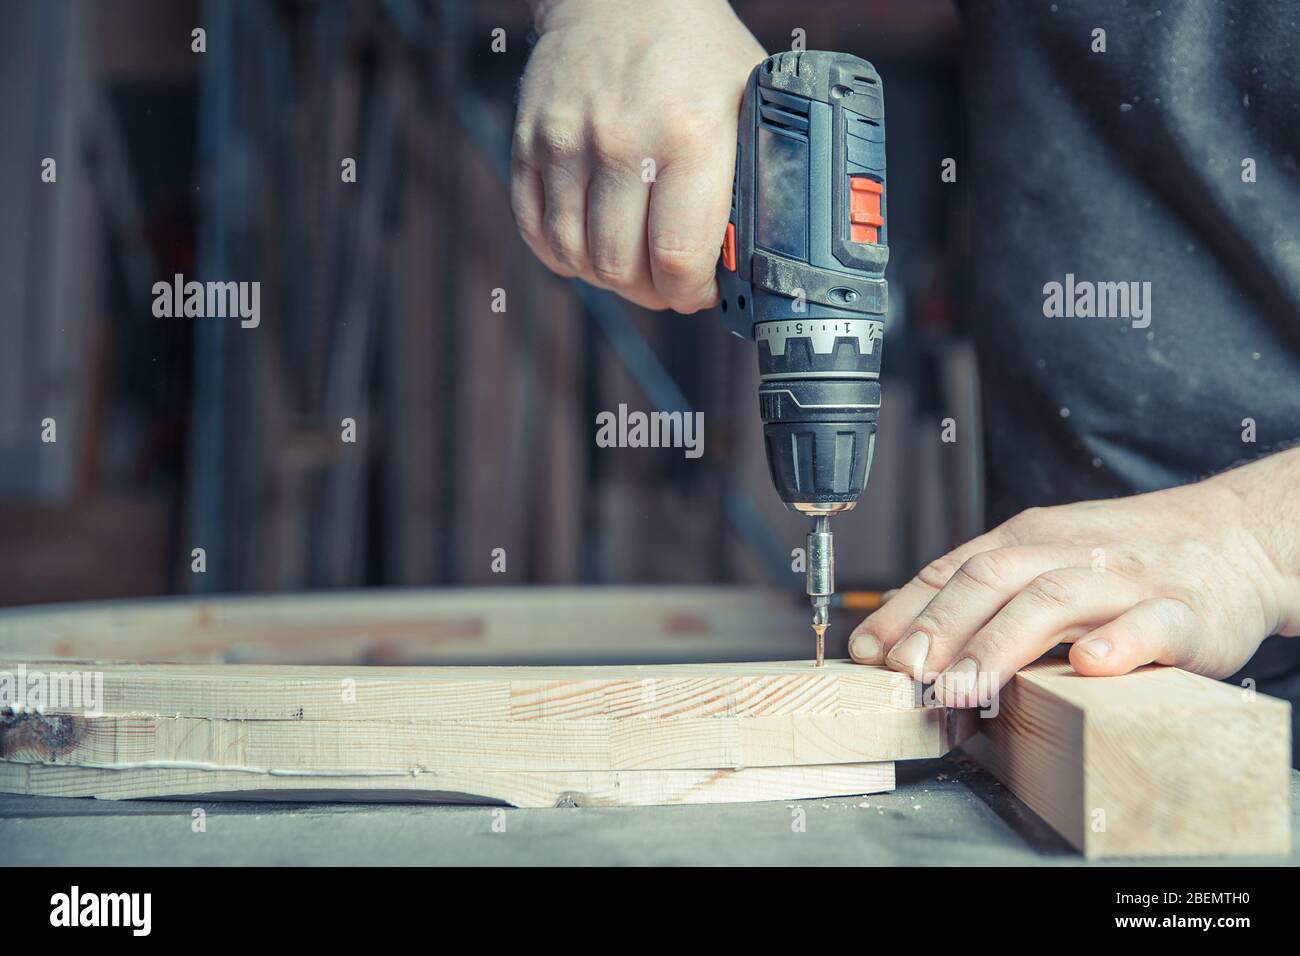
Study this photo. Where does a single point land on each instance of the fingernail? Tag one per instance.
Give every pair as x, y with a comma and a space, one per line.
865, 649
957, 683
909, 654
1096, 649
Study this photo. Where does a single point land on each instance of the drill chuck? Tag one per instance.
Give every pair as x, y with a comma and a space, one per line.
819, 396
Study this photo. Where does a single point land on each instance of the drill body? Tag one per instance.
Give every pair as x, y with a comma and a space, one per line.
802, 274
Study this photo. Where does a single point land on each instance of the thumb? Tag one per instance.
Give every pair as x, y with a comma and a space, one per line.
1158, 630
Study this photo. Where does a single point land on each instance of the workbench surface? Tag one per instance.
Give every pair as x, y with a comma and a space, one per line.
944, 812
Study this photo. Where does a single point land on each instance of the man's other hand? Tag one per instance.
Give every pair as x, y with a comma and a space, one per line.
1194, 576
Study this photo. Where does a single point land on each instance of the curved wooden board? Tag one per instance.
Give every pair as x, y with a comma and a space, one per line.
627, 788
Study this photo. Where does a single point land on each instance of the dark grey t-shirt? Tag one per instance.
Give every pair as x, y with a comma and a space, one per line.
1171, 160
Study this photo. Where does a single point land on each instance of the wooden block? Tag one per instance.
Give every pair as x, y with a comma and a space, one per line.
1159, 762
626, 788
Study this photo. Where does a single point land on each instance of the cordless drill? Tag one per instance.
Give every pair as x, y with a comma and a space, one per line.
802, 274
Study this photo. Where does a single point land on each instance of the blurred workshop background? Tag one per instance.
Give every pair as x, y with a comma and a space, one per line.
475, 428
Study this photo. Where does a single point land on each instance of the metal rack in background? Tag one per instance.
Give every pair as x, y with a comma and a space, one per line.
245, 106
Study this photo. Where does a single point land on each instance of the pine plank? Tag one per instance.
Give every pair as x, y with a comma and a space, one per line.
384, 745
531, 736
270, 692
551, 625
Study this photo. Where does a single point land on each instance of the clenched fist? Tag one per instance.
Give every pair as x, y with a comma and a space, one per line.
625, 142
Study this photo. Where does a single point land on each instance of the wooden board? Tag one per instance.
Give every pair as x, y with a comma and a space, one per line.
341, 746
533, 789
631, 734
537, 625
1159, 762
277, 693
362, 693
374, 719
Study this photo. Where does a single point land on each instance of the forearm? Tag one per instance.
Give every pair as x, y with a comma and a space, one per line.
1266, 494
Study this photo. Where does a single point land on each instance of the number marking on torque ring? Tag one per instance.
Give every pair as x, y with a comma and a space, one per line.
822, 335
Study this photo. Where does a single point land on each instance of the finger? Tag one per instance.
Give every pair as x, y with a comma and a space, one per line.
875, 637
528, 203
618, 203
1159, 630
564, 223
1032, 623
526, 198
980, 588
688, 216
